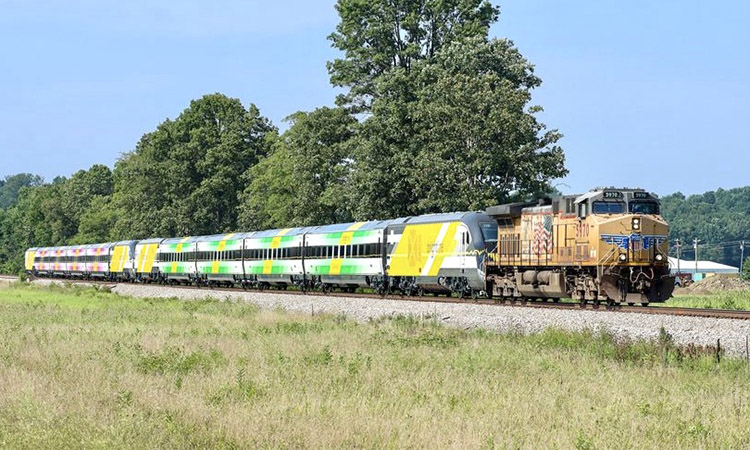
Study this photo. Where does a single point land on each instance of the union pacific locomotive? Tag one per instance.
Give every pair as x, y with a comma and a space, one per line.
607, 245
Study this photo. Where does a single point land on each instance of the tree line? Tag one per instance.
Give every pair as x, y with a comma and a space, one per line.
719, 219
434, 116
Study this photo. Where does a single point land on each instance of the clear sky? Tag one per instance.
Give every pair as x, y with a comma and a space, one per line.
647, 93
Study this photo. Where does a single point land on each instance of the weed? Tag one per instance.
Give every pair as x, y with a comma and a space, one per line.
176, 360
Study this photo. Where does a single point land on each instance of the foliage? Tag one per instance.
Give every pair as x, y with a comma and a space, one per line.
720, 219
455, 133
11, 186
304, 179
380, 36
185, 177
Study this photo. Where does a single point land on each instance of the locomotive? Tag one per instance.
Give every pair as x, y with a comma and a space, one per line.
607, 245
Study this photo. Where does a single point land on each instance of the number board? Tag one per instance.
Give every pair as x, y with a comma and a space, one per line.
612, 194
641, 195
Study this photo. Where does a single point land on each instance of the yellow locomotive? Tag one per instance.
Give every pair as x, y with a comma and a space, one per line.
609, 245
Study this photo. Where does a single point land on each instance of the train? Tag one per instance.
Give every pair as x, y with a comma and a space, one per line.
608, 245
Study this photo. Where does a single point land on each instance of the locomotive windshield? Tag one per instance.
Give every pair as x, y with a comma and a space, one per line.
608, 207
644, 208
489, 231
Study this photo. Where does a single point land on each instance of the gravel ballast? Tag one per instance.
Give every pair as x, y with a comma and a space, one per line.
685, 330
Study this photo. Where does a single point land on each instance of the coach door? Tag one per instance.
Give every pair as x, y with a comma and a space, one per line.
464, 248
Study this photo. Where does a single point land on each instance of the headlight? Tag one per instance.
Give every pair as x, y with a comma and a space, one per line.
623, 257
636, 223
659, 257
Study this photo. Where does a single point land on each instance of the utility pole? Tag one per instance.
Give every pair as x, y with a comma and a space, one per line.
678, 244
695, 246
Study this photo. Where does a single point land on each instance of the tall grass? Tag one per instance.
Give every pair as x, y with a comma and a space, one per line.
739, 300
87, 368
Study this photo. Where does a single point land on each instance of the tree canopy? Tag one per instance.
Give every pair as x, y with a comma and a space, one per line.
304, 181
379, 36
10, 187
185, 177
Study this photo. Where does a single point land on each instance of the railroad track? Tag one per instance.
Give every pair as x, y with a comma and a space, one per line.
663, 310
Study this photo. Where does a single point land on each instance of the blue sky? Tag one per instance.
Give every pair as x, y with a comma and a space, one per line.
650, 94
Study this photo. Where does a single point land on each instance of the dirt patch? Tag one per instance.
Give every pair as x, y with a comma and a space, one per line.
718, 283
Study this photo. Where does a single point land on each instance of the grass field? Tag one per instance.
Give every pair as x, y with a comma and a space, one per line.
721, 300
85, 368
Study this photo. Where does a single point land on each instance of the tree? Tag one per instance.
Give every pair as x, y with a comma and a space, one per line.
304, 180
476, 138
745, 275
97, 222
450, 130
378, 36
185, 177
12, 185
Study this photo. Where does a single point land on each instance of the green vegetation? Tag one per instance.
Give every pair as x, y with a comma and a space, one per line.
87, 368
722, 300
11, 186
435, 115
720, 219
